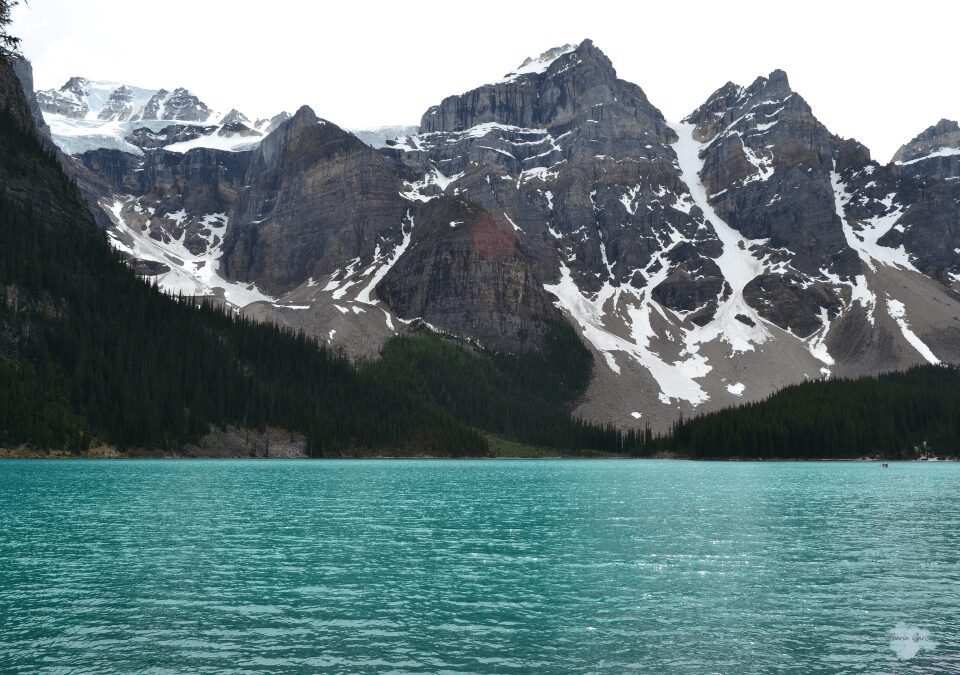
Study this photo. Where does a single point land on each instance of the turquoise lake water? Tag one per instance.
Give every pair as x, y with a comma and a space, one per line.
478, 566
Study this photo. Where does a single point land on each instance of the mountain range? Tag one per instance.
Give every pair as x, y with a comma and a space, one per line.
705, 262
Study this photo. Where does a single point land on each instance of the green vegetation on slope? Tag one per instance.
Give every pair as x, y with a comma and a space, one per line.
524, 398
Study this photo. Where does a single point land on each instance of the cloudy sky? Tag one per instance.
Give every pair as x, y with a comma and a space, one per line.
880, 72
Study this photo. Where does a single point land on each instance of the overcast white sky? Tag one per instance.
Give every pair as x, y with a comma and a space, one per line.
877, 71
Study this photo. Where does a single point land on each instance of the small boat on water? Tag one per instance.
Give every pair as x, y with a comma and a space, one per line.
885, 465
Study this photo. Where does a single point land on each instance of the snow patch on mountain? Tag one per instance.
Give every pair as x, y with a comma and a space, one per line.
538, 65
677, 381
738, 265
366, 295
898, 312
865, 240
77, 136
216, 141
942, 152
189, 273
382, 137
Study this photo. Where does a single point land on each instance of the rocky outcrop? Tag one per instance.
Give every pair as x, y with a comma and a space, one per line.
237, 129
767, 164
147, 139
172, 198
468, 272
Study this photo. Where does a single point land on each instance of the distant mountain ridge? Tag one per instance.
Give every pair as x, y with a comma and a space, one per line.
705, 262
87, 115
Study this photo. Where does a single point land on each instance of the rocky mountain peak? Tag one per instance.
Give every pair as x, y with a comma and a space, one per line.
940, 139
154, 107
587, 50
776, 82
946, 126
119, 106
535, 66
563, 86
557, 60
235, 117
181, 104
303, 117
766, 102
69, 100
76, 85
271, 148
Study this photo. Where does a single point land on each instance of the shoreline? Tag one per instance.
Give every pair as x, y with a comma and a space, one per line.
111, 453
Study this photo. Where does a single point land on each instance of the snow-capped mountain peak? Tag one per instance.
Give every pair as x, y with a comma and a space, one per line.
82, 98
235, 117
87, 114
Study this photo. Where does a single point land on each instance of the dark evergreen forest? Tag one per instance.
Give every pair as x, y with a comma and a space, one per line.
894, 416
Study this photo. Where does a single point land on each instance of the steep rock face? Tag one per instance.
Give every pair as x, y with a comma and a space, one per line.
929, 229
23, 69
318, 198
579, 160
326, 217
584, 170
14, 95
466, 270
768, 160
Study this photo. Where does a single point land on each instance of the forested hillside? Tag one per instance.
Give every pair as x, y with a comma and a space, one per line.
900, 415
